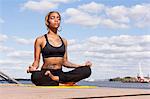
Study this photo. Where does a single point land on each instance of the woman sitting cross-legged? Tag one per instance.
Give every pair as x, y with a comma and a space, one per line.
54, 53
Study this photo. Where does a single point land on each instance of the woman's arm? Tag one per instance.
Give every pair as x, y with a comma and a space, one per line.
37, 50
68, 64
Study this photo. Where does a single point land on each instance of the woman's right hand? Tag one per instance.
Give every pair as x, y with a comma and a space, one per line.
88, 63
30, 69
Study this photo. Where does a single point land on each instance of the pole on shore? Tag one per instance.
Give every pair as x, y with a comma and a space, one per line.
9, 79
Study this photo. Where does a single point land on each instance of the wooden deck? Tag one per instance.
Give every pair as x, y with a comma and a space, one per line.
15, 91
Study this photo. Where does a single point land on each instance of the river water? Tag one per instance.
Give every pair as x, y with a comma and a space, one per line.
112, 84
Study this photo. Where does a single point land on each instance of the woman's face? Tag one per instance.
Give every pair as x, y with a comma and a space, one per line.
54, 20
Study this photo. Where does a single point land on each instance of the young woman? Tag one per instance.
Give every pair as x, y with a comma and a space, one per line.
54, 53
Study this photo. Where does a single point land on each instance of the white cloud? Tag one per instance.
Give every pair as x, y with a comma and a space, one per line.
21, 54
78, 17
24, 41
92, 7
140, 15
87, 15
3, 37
118, 14
40, 6
139, 11
43, 5
122, 43
1, 20
71, 42
111, 24
15, 68
63, 1
109, 55
115, 44
118, 53
11, 63
5, 49
96, 14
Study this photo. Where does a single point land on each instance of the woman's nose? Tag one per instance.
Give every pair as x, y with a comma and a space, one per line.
56, 20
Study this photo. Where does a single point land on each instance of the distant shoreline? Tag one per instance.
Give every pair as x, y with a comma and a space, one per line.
127, 79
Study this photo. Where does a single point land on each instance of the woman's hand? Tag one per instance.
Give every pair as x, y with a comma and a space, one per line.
31, 68
88, 63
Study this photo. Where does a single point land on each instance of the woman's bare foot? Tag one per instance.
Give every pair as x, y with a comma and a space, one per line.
55, 78
67, 84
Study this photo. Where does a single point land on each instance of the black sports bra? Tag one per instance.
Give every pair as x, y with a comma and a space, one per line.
51, 51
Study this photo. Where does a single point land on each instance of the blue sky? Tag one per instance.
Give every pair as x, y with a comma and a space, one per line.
113, 34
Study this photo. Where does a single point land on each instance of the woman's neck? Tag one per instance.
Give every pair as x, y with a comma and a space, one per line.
52, 32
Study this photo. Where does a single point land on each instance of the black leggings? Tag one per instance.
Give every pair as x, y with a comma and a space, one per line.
40, 79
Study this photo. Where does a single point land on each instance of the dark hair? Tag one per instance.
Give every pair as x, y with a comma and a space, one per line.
48, 16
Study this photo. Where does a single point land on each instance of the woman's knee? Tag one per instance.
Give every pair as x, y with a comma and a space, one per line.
35, 77
86, 71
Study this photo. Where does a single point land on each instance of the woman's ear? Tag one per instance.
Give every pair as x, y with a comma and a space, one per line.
47, 21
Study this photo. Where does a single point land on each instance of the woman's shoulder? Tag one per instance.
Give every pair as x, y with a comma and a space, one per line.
40, 38
64, 40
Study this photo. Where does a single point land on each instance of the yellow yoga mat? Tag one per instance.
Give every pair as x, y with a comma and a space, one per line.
76, 86
65, 86
31, 85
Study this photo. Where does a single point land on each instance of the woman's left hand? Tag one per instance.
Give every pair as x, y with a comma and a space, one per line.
88, 63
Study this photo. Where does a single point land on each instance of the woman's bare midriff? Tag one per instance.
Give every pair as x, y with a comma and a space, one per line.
53, 63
